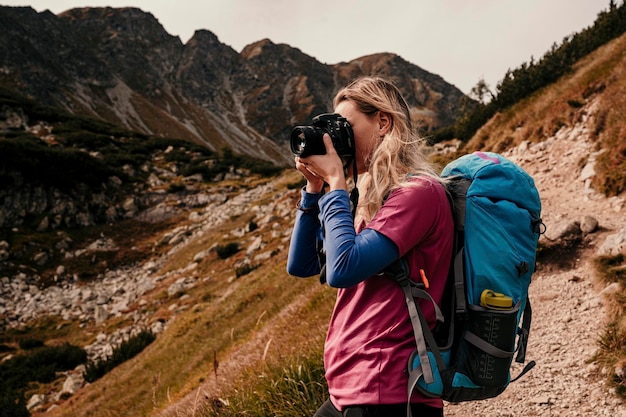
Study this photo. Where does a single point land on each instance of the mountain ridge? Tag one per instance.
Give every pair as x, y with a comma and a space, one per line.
120, 65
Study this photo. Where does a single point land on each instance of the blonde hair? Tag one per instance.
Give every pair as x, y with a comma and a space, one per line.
399, 154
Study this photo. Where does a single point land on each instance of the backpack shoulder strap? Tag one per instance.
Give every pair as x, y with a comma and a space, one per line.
456, 188
424, 338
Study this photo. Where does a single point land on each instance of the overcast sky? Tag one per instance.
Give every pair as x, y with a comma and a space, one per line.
460, 40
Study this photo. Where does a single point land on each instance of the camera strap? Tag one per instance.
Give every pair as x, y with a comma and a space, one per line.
354, 194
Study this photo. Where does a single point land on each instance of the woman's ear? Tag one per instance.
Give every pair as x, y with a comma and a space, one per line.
384, 123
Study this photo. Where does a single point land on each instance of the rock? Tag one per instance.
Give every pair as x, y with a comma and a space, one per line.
35, 401
41, 258
616, 203
255, 245
154, 181
588, 224
130, 207
614, 244
44, 224
115, 181
157, 327
175, 288
620, 370
201, 255
72, 383
100, 313
110, 214
612, 288
563, 230
588, 171
261, 257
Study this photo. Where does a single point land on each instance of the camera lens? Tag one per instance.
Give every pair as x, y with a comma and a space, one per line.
306, 141
298, 142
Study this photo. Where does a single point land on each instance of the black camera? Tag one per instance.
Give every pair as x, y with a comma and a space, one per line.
308, 140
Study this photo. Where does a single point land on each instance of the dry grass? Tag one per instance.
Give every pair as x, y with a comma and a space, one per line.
612, 352
260, 318
563, 104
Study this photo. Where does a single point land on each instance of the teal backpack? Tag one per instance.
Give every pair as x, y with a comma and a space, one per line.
485, 317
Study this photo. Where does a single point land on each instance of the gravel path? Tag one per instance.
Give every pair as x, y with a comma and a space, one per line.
567, 320
568, 305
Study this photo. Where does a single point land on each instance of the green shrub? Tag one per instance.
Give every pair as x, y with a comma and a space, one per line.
27, 344
87, 140
198, 167
263, 168
175, 187
611, 167
119, 159
21, 135
12, 403
154, 143
228, 250
245, 270
180, 155
297, 185
40, 365
127, 350
6, 348
612, 349
62, 168
576, 104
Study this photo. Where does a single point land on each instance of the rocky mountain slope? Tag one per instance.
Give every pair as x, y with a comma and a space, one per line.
154, 262
120, 65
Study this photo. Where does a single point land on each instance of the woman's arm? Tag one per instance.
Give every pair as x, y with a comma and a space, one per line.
303, 258
351, 257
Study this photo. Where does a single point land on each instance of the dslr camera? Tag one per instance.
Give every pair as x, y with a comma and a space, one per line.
308, 140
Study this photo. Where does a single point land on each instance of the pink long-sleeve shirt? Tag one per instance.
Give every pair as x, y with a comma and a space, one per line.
370, 336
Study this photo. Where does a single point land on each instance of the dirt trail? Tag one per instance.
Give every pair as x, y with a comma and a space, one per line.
568, 306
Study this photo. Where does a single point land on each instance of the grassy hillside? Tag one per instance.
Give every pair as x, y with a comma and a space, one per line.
67, 154
599, 78
219, 330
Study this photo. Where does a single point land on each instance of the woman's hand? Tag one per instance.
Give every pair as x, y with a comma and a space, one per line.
318, 169
314, 184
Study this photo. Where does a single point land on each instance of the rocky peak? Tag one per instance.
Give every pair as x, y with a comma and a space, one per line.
204, 70
430, 97
256, 48
133, 45
289, 87
120, 65
128, 22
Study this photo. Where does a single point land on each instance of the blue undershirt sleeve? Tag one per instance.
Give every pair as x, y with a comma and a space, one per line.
303, 260
351, 257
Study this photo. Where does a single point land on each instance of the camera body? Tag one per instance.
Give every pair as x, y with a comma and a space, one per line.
308, 140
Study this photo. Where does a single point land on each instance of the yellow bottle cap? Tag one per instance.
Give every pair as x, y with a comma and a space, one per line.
495, 300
